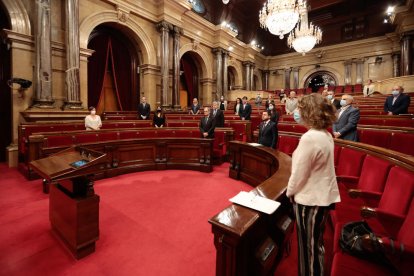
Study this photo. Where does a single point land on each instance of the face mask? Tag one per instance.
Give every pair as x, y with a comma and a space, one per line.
93, 112
296, 116
270, 107
329, 97
395, 93
343, 102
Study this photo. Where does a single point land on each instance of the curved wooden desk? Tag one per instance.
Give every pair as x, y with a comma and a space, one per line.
249, 242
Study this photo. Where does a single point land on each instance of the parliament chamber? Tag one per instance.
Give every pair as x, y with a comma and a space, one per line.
96, 194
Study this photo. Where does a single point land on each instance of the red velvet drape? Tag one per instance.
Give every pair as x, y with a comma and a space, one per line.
111, 51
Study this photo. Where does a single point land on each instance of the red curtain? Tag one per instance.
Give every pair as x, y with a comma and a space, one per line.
112, 52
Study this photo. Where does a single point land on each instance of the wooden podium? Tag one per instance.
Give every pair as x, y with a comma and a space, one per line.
73, 206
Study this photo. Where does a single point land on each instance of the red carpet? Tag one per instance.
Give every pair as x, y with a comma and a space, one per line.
151, 223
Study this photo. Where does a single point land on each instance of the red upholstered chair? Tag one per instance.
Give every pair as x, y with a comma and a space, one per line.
287, 144
375, 137
358, 88
286, 127
348, 89
339, 89
337, 153
402, 142
349, 165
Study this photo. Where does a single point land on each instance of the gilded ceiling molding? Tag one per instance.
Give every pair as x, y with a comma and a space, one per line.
20, 22
142, 39
203, 59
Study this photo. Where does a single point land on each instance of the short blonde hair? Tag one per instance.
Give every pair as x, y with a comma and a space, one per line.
316, 111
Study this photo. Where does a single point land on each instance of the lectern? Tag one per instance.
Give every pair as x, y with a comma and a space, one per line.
73, 206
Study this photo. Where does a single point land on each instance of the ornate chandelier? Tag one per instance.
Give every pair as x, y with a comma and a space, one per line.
305, 36
280, 16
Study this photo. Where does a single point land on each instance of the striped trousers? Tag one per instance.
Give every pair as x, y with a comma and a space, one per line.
310, 225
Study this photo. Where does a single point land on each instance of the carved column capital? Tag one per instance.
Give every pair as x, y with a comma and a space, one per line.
163, 26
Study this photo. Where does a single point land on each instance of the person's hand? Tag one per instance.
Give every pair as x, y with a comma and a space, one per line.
205, 134
242, 118
336, 134
389, 113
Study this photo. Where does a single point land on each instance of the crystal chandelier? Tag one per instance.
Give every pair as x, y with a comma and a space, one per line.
305, 36
280, 16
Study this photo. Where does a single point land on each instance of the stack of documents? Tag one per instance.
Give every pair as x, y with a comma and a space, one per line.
255, 202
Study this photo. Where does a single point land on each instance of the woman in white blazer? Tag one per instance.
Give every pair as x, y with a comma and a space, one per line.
312, 185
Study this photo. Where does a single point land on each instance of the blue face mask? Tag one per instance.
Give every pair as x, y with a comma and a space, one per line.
329, 97
343, 102
395, 93
296, 116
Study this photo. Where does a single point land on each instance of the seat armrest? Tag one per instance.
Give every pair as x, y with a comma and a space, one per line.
350, 182
368, 212
355, 193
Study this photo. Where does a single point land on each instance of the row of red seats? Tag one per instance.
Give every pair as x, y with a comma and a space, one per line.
381, 183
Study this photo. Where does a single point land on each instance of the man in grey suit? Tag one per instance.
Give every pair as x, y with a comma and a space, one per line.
348, 116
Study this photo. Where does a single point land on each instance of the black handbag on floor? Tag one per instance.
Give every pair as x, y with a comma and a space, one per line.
357, 239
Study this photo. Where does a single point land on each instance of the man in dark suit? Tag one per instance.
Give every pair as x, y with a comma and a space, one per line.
331, 98
398, 102
267, 131
245, 110
144, 109
207, 125
348, 116
217, 115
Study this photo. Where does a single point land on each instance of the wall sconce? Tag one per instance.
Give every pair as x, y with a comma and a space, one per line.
23, 85
378, 60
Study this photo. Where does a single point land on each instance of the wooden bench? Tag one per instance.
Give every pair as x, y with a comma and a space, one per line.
42, 144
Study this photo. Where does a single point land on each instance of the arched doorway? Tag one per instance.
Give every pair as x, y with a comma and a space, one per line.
5, 91
189, 78
320, 79
113, 82
231, 77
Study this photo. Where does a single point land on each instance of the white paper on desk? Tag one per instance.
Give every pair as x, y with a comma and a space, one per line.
255, 144
255, 202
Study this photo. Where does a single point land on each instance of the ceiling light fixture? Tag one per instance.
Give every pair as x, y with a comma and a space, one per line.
305, 36
280, 16
225, 2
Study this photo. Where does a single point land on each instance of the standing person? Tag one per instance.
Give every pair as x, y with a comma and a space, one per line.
223, 103
269, 101
237, 106
207, 124
274, 115
312, 185
348, 116
195, 107
398, 102
368, 89
218, 115
282, 94
144, 109
159, 119
93, 121
245, 110
332, 100
291, 103
267, 131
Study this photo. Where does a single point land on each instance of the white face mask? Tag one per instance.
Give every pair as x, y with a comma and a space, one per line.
395, 92
93, 112
271, 107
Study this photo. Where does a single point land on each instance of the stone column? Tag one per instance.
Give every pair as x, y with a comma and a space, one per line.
219, 71
246, 82
348, 71
265, 79
225, 73
359, 71
72, 56
43, 66
176, 68
295, 77
287, 78
252, 76
396, 65
406, 54
164, 27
